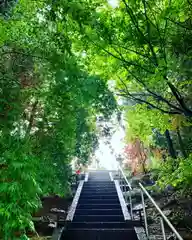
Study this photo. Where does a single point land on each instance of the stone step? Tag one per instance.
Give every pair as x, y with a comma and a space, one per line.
99, 182
99, 201
96, 186
98, 215
99, 234
98, 206
98, 218
84, 196
98, 212
99, 192
100, 225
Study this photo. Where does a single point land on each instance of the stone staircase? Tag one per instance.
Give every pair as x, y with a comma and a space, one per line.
98, 214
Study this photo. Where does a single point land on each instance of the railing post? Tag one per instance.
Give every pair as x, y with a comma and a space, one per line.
124, 186
178, 236
163, 218
119, 173
76, 181
131, 206
144, 213
162, 228
120, 180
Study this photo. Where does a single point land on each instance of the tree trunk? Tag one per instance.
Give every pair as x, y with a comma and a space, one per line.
170, 145
31, 119
187, 112
180, 140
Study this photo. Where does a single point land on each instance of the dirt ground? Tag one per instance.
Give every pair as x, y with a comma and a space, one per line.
53, 208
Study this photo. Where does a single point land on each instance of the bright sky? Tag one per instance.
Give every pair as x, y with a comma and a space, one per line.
113, 3
103, 153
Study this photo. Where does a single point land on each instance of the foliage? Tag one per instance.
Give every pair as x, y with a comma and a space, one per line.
136, 156
139, 41
19, 188
141, 123
57, 58
49, 105
145, 46
6, 7
178, 176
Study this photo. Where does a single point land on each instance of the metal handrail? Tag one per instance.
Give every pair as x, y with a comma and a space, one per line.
123, 174
160, 212
130, 189
162, 215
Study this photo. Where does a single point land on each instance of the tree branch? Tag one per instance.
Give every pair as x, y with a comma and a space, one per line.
127, 93
133, 19
31, 119
122, 59
131, 63
162, 39
179, 24
155, 95
24, 54
136, 52
139, 100
179, 98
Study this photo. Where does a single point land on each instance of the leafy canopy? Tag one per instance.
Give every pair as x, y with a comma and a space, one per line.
49, 104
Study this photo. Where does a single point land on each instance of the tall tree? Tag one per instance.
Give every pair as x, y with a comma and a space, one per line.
44, 88
139, 41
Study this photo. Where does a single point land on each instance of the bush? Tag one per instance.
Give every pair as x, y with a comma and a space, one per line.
177, 173
19, 191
